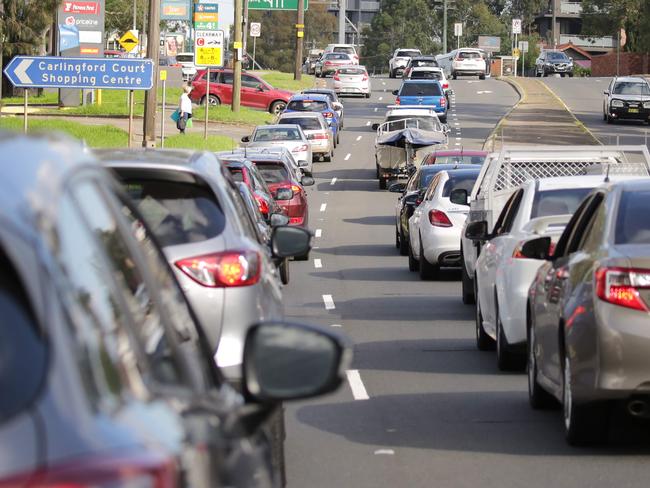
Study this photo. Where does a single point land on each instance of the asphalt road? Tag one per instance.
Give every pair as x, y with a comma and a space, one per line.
422, 407
584, 96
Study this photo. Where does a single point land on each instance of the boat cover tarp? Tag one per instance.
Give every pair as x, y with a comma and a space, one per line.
413, 137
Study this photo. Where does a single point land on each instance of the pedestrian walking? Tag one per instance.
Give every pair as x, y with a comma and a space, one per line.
184, 109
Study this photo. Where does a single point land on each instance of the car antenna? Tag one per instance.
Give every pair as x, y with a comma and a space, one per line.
607, 173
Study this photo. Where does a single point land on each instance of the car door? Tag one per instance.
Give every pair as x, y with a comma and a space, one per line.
224, 87
253, 92
406, 204
420, 214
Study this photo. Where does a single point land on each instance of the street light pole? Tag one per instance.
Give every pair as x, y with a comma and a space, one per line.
300, 33
151, 96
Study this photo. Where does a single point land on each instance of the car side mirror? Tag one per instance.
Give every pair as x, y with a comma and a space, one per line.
537, 248
278, 219
302, 163
397, 188
260, 88
477, 231
285, 361
337, 105
375, 126
459, 196
246, 139
287, 242
284, 194
395, 92
606, 92
307, 181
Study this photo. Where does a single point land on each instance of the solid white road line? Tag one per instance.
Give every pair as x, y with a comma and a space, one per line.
359, 138
323, 207
333, 182
318, 263
386, 452
458, 138
319, 232
329, 302
356, 385
348, 156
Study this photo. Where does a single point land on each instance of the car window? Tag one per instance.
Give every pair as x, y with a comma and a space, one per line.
258, 182
250, 82
501, 221
237, 174
458, 159
512, 212
412, 183
351, 71
557, 202
424, 62
407, 53
594, 230
421, 89
459, 181
214, 76
247, 224
631, 88
431, 190
426, 75
560, 248
632, 225
557, 57
337, 57
23, 347
273, 172
580, 228
463, 55
344, 49
226, 78
277, 134
307, 105
307, 123
427, 174
177, 212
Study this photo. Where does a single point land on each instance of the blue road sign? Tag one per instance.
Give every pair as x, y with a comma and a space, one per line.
56, 72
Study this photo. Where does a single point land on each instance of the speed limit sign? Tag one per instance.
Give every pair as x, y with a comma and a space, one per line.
256, 29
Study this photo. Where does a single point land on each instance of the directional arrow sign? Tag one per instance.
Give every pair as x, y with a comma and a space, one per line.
55, 72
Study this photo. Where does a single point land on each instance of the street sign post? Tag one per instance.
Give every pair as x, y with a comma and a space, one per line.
523, 47
255, 32
458, 32
208, 53
129, 41
516, 30
275, 4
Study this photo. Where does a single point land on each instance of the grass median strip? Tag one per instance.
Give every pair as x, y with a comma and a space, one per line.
197, 142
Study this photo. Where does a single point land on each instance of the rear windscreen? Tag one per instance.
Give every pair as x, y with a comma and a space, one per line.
273, 172
469, 55
344, 49
277, 134
461, 181
307, 105
426, 75
424, 62
177, 212
352, 71
557, 202
407, 54
632, 224
421, 89
304, 122
337, 57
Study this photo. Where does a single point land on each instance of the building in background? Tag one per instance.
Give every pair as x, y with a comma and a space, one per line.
360, 13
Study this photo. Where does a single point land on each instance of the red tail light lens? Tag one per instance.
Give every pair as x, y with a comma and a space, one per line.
516, 254
438, 218
397, 101
317, 136
336, 77
296, 189
296, 220
327, 63
225, 269
328, 115
621, 286
445, 85
262, 205
443, 101
365, 77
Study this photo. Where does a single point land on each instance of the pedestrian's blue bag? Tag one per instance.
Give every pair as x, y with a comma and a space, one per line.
176, 115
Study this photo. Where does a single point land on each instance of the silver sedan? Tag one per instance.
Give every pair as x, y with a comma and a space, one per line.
290, 136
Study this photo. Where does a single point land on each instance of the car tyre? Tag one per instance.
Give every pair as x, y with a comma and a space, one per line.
304, 257
403, 243
466, 283
367, 95
428, 271
483, 341
277, 107
481, 77
391, 73
443, 119
382, 183
414, 264
454, 76
538, 397
213, 100
506, 359
609, 119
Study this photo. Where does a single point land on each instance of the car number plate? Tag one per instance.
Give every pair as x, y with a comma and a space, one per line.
348, 89
633, 110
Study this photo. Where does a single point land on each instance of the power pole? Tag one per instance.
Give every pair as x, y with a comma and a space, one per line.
300, 33
444, 26
342, 8
554, 20
151, 96
237, 58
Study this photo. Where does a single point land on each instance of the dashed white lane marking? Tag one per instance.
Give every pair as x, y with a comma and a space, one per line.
458, 138
319, 232
323, 207
385, 452
356, 385
359, 138
318, 263
383, 82
381, 98
367, 123
456, 123
336, 325
329, 302
348, 156
333, 182
457, 144
376, 109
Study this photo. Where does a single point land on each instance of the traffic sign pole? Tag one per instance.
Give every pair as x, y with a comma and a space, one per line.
25, 104
131, 97
151, 96
300, 32
237, 48
207, 103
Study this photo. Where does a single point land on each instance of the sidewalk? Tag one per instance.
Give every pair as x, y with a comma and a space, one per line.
540, 117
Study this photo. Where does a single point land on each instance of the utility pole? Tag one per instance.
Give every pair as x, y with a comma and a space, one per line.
554, 20
151, 96
444, 26
300, 33
237, 58
342, 8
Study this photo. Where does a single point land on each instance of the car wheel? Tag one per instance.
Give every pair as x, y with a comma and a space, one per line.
454, 76
403, 243
537, 74
609, 119
213, 100
338, 138
397, 241
376, 171
328, 157
466, 283
428, 271
284, 272
367, 95
443, 119
604, 116
506, 359
483, 341
538, 397
382, 183
391, 73
570, 75
583, 424
413, 263
481, 77
277, 107
304, 257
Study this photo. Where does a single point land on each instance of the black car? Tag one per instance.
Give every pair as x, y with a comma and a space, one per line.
416, 61
411, 196
627, 98
551, 62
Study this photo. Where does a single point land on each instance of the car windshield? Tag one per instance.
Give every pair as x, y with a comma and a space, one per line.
462, 180
307, 105
557, 202
407, 53
426, 75
458, 159
272, 172
352, 71
344, 49
557, 57
631, 88
424, 62
632, 224
399, 122
185, 58
427, 174
277, 134
307, 123
420, 89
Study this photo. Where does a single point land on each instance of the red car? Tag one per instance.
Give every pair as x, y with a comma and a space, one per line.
255, 92
456, 156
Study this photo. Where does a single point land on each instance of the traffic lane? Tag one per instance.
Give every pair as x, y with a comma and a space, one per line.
584, 97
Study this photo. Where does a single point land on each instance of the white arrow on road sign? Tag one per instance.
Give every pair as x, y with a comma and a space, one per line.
21, 71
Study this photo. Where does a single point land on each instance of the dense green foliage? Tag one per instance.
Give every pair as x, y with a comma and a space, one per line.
604, 18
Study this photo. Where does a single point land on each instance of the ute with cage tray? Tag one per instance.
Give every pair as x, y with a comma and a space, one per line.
504, 171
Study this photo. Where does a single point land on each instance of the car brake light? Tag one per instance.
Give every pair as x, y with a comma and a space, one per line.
336, 77
296, 189
620, 286
296, 220
318, 135
262, 205
224, 269
439, 218
328, 63
397, 101
328, 115
365, 77
443, 101
304, 147
445, 85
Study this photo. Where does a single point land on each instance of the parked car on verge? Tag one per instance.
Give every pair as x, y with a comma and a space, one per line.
289, 136
317, 103
460, 156
334, 99
317, 130
330, 62
469, 62
436, 224
423, 92
419, 61
255, 92
352, 80
627, 98
397, 64
588, 313
552, 62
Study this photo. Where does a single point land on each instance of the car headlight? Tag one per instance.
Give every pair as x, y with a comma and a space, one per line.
618, 103
646, 104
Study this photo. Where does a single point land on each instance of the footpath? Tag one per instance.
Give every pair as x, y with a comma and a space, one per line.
540, 117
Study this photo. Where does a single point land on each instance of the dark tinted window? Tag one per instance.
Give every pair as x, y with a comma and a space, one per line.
343, 49
237, 174
461, 181
557, 57
557, 202
631, 88
226, 77
407, 53
460, 159
185, 58
426, 75
337, 57
352, 71
306, 123
23, 353
422, 89
468, 55
273, 172
177, 212
632, 224
250, 81
424, 62
307, 105
427, 175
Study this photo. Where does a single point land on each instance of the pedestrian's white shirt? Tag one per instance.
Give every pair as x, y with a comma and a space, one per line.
186, 104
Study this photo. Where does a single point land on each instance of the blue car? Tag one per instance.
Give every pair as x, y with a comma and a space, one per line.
423, 92
317, 103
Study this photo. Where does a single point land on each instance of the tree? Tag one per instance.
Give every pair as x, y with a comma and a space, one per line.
119, 15
606, 17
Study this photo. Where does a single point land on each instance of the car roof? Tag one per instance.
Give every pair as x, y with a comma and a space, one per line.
448, 167
277, 126
428, 68
310, 96
252, 154
298, 115
460, 152
318, 90
423, 56
636, 79
426, 80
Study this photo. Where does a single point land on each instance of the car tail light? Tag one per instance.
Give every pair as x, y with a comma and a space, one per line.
327, 63
224, 269
304, 147
296, 189
443, 101
328, 115
296, 220
621, 286
438, 218
150, 469
336, 77
262, 205
317, 136
397, 101
365, 77
445, 85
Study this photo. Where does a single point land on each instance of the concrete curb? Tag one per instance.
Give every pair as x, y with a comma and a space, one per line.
488, 145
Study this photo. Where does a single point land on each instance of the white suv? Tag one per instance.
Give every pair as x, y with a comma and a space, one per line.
468, 62
343, 48
400, 59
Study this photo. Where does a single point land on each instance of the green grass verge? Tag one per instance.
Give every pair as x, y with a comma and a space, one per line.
223, 114
197, 142
285, 81
93, 135
48, 98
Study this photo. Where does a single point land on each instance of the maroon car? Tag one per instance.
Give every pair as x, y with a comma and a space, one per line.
456, 156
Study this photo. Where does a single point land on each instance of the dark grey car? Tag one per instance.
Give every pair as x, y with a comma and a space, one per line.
588, 312
553, 62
